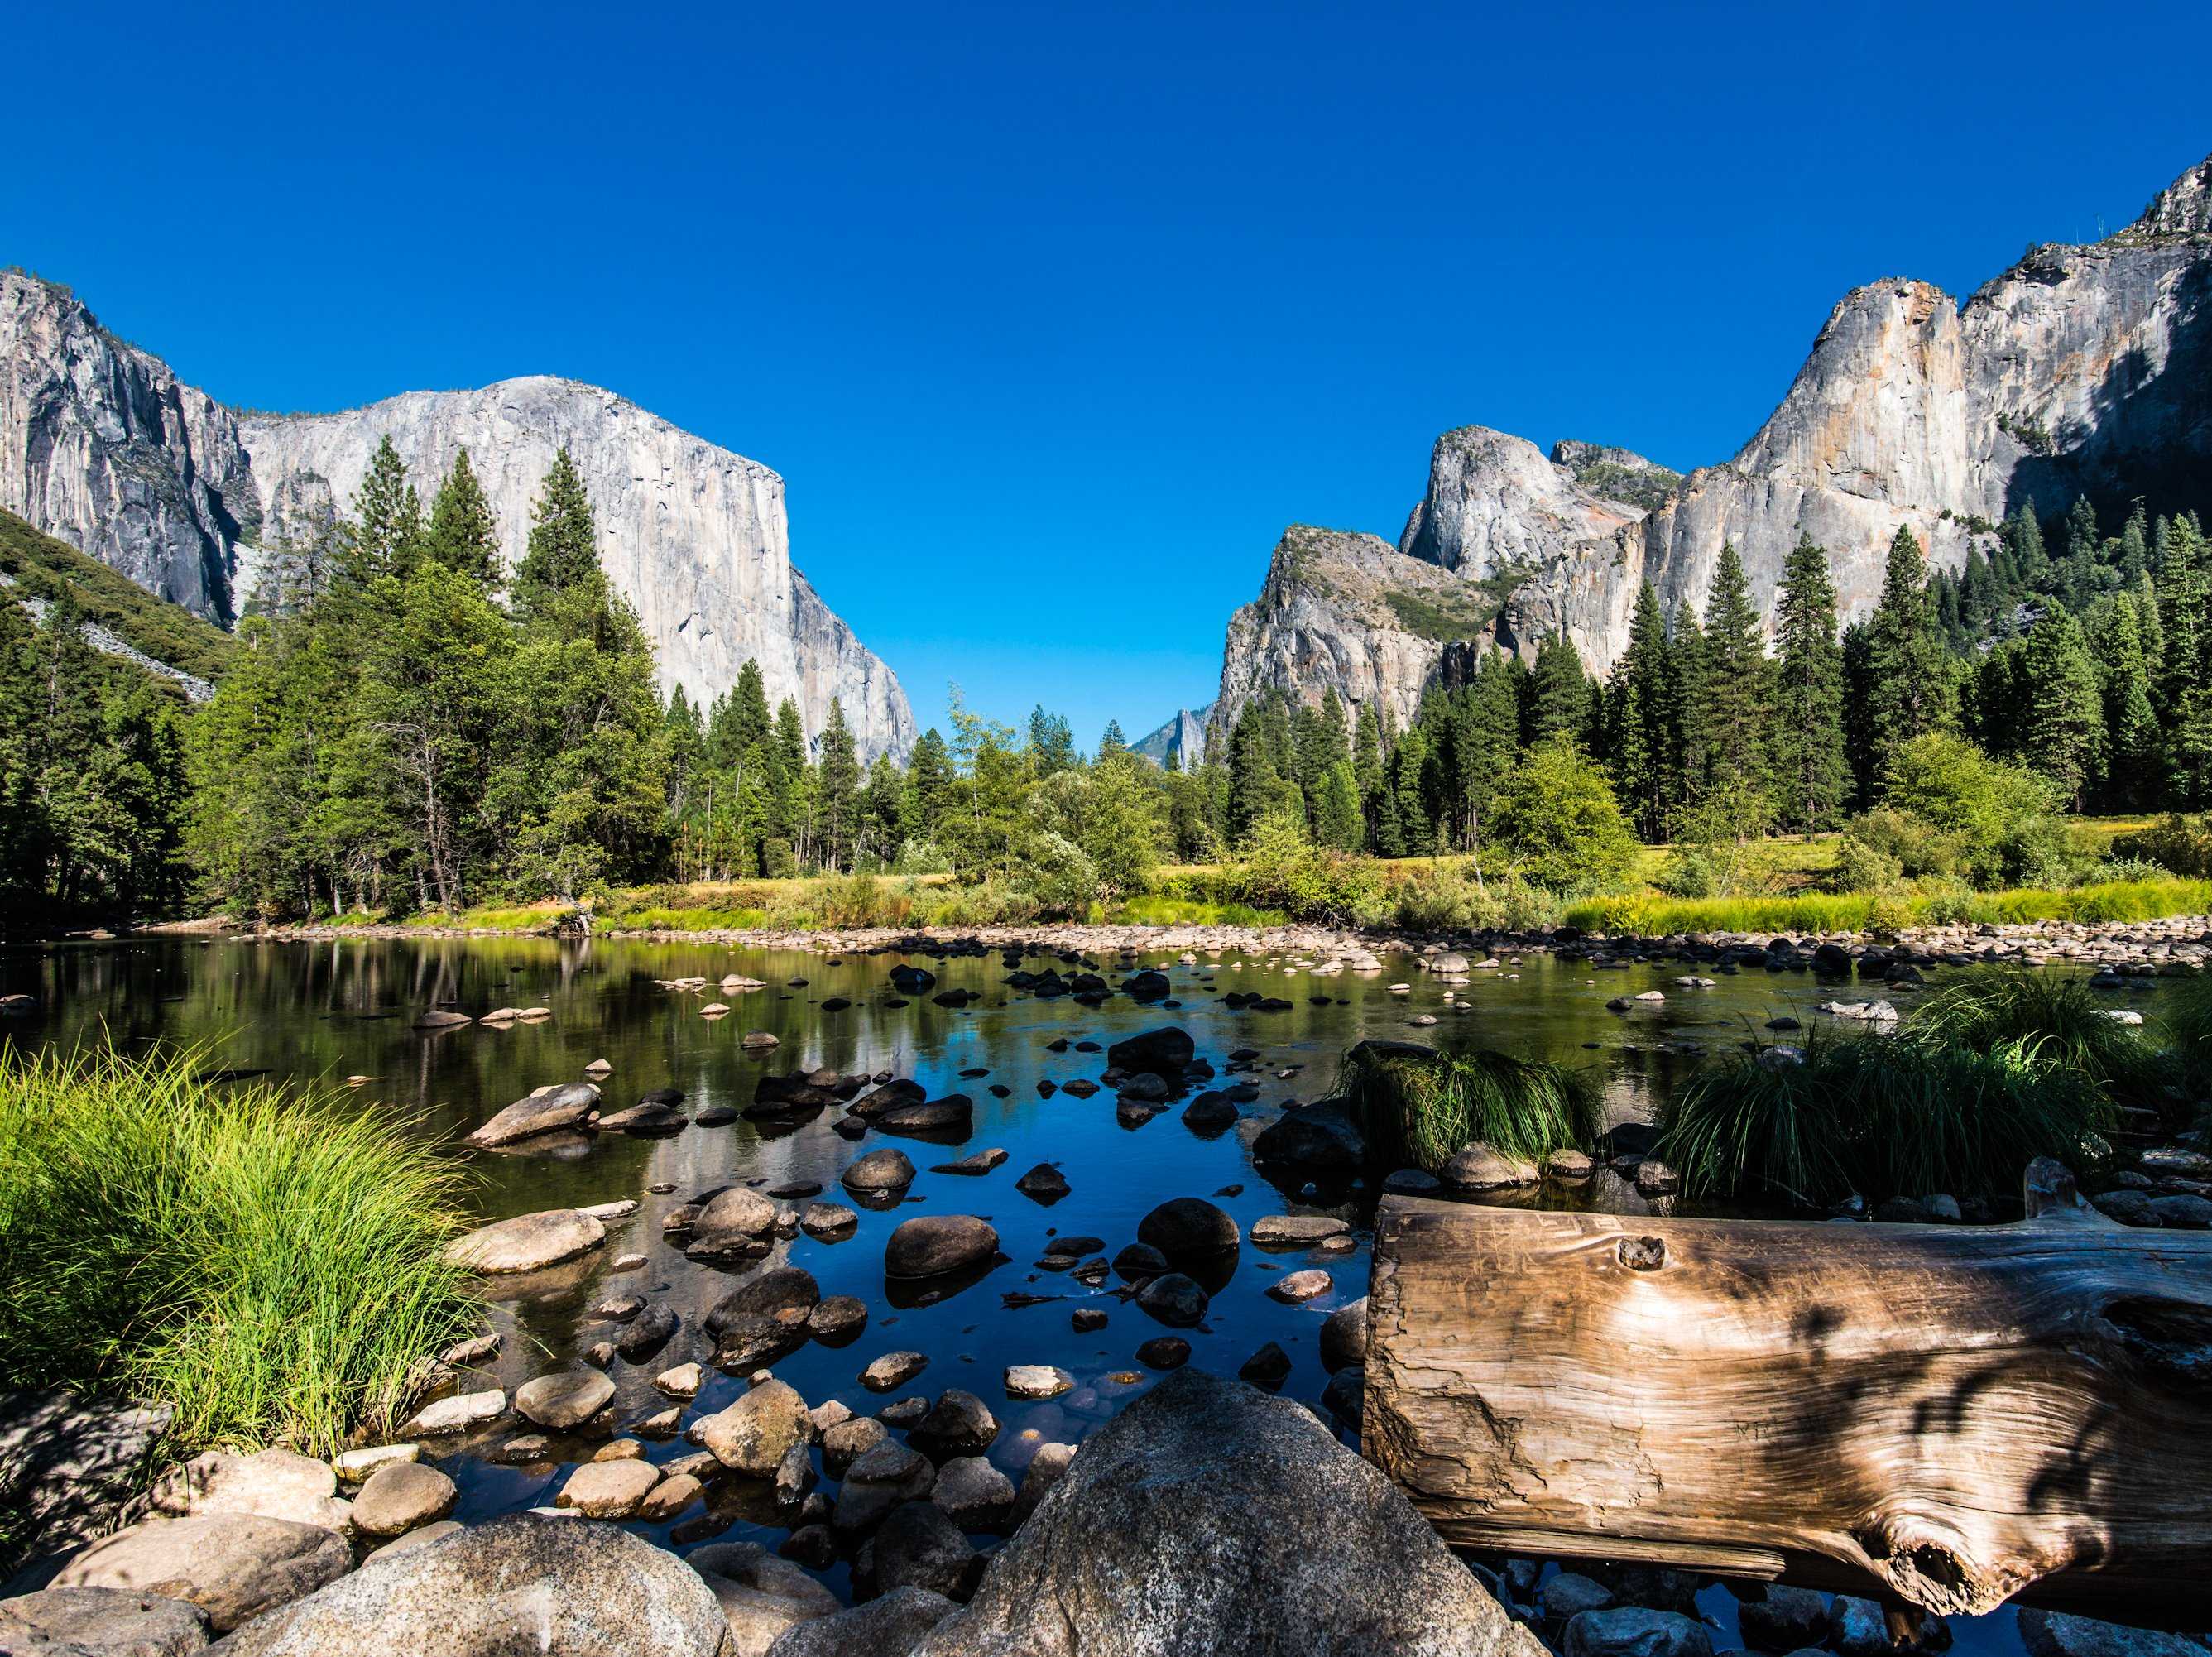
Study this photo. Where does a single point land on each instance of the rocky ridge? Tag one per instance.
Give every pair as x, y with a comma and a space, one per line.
2081, 369
102, 446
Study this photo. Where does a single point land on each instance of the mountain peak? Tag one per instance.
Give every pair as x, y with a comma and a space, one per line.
2183, 209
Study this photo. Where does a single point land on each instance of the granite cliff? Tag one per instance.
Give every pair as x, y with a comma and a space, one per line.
102, 446
2081, 369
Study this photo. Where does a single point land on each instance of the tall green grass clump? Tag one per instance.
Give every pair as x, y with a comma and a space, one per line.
1878, 1116
1421, 1107
2187, 1015
2064, 1019
264, 1262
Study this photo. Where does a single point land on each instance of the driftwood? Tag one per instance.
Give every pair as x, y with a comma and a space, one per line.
1959, 1413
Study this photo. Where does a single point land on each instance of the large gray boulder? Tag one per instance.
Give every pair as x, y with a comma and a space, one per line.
1210, 1516
233, 1566
101, 1622
519, 1584
2056, 1634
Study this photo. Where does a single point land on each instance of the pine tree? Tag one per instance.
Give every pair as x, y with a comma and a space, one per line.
387, 520
839, 783
2061, 717
1690, 737
1051, 743
1638, 748
1737, 677
1367, 769
1811, 776
1909, 685
564, 553
463, 535
2130, 745
1559, 693
1113, 742
930, 771
1337, 819
790, 792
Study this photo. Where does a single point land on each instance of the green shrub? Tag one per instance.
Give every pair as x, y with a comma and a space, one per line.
1880, 1117
1557, 817
268, 1263
2181, 846
2187, 1015
1421, 1107
1861, 867
1976, 816
1688, 872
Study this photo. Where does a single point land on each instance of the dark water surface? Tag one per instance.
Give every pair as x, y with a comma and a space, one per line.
323, 1011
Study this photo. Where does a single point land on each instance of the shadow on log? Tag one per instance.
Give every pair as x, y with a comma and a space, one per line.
1960, 1414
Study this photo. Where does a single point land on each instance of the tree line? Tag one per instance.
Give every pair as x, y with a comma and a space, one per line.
407, 727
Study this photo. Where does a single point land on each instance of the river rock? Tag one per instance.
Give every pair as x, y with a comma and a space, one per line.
909, 980
1295, 1230
918, 1546
233, 1566
1043, 1184
763, 1597
1038, 1381
1188, 1228
564, 1400
1634, 1631
837, 1319
1567, 1595
958, 1424
846, 1441
101, 1622
274, 1483
885, 1170
2056, 1634
973, 1494
402, 1495
889, 1626
932, 1245
752, 1434
1210, 1516
892, 1370
946, 1115
880, 1479
1174, 1300
1344, 1337
608, 1490
733, 1221
550, 1110
772, 1294
456, 1414
1164, 1052
1297, 1286
518, 1583
828, 1222
527, 1242
1479, 1167
1325, 1136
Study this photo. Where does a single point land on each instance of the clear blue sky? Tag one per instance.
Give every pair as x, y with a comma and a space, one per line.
1052, 318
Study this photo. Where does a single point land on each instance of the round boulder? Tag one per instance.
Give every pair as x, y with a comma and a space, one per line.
402, 1495
1188, 1227
933, 1245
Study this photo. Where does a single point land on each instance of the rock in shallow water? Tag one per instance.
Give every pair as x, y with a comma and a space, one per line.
527, 1242
233, 1566
885, 1627
935, 1245
1211, 1517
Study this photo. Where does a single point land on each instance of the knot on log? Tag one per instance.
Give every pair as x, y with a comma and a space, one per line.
1643, 1253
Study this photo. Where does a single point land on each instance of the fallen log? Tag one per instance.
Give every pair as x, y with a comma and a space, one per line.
1953, 1414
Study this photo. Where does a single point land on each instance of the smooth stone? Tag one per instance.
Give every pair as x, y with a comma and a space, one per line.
1043, 1184
456, 1414
828, 1221
564, 1400
421, 1538
1188, 1227
879, 1480
892, 1371
751, 1435
550, 1110
847, 1441
887, 1170
958, 1424
2056, 1633
973, 1494
101, 1622
919, 1546
1295, 1230
273, 1483
1174, 1300
1038, 1381
1635, 1631
840, 1318
352, 1466
608, 1490
517, 1583
1298, 1286
683, 1382
401, 1496
1344, 1337
528, 1242
1164, 1352
890, 1625
233, 1566
1478, 1167
933, 1245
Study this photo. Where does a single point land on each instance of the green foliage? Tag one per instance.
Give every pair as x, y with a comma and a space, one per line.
2056, 1014
1420, 1107
42, 567
265, 1262
1557, 819
1861, 867
1651, 916
1952, 810
2181, 845
1812, 775
1878, 1117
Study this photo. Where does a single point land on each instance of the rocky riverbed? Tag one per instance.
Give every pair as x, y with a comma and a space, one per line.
826, 1303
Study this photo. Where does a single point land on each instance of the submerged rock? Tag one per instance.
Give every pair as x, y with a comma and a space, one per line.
1211, 1517
526, 1243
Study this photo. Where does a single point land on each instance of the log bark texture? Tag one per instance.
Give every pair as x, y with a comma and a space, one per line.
1960, 1413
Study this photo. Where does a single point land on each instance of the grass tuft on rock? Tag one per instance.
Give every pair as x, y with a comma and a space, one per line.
2069, 1024
1882, 1117
1421, 1107
263, 1262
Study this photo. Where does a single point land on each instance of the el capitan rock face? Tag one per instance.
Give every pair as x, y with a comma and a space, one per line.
694, 536
2079, 370
101, 445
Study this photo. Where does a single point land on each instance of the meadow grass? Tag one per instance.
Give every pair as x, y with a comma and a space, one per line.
2186, 1012
1651, 915
264, 1260
1153, 908
1421, 1107
1878, 1116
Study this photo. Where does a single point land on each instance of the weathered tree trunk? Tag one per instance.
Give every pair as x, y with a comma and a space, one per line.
1958, 1412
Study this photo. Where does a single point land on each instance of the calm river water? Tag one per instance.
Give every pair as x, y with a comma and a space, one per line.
322, 1011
